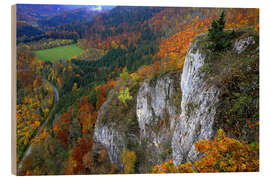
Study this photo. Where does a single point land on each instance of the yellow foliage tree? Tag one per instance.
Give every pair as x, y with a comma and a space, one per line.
114, 45
75, 87
124, 95
128, 158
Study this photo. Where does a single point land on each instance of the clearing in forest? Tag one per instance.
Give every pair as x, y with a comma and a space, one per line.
62, 52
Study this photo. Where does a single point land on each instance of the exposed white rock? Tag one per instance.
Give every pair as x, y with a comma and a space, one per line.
109, 136
158, 115
156, 112
242, 44
198, 108
113, 141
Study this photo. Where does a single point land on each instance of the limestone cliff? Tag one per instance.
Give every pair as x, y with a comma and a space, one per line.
145, 125
170, 113
158, 106
109, 135
198, 107
203, 89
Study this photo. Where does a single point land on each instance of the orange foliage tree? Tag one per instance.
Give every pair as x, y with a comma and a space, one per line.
174, 48
222, 154
75, 161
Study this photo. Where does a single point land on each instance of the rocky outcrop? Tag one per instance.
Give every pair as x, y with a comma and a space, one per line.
243, 43
157, 105
108, 134
173, 112
200, 96
113, 141
157, 112
198, 107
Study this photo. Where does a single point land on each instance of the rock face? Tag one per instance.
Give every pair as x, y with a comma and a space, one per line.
109, 136
113, 140
242, 44
157, 111
173, 112
200, 99
157, 107
198, 108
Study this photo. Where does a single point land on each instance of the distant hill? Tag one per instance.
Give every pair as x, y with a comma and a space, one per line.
67, 16
27, 30
47, 17
31, 13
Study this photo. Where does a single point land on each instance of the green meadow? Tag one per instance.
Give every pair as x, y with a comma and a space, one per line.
62, 52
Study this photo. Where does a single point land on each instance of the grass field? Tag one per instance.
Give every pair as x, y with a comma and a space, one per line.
63, 52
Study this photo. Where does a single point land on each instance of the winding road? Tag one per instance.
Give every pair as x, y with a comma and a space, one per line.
28, 150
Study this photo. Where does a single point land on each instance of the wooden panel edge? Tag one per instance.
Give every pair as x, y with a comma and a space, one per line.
13, 90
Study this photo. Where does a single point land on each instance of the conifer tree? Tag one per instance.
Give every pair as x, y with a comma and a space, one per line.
220, 39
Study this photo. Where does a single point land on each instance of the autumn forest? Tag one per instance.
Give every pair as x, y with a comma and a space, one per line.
83, 73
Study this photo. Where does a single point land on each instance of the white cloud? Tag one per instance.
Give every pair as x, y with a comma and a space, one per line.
96, 8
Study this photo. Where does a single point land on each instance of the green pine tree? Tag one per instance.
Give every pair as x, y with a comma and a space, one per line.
219, 38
